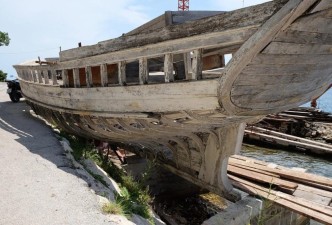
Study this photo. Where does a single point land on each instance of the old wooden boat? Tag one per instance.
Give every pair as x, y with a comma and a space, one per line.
192, 120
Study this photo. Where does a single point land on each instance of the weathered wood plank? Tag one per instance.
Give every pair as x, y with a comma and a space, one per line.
324, 4
283, 69
261, 177
303, 37
197, 64
218, 40
165, 98
320, 22
292, 48
143, 71
122, 73
291, 59
168, 68
103, 75
291, 174
88, 76
251, 16
315, 211
76, 77
312, 197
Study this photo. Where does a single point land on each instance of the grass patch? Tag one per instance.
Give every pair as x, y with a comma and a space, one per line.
113, 208
134, 197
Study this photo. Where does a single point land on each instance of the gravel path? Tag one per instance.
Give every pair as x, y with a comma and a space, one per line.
38, 184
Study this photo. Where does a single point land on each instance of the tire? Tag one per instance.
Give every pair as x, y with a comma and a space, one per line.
14, 96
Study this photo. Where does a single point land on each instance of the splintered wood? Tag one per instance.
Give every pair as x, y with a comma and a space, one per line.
307, 194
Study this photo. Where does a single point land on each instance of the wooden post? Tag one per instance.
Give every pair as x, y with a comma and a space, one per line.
197, 64
187, 65
65, 78
143, 71
34, 76
168, 68
40, 78
88, 76
103, 75
54, 78
122, 73
46, 79
76, 76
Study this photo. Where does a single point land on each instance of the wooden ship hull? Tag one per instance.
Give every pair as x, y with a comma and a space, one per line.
191, 117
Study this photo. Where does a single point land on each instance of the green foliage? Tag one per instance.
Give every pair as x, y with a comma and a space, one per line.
4, 39
2, 75
134, 197
113, 208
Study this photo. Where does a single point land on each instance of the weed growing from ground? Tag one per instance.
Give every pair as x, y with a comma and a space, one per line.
134, 197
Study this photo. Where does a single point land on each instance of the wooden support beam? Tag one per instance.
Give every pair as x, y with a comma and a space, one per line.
40, 78
76, 76
103, 75
65, 78
187, 65
34, 75
46, 79
122, 73
168, 68
197, 64
143, 71
88, 76
54, 78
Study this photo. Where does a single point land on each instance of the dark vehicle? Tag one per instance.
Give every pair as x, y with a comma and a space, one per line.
14, 90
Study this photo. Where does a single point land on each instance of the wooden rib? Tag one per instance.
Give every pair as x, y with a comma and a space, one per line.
122, 73
168, 68
103, 75
76, 77
197, 64
54, 77
46, 79
143, 71
88, 76
187, 65
40, 78
65, 78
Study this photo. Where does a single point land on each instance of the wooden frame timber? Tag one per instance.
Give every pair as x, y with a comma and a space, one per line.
168, 93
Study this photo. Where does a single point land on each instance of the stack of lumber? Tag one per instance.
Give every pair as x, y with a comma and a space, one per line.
301, 113
307, 194
286, 140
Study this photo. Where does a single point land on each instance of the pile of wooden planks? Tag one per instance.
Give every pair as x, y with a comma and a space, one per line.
286, 140
307, 194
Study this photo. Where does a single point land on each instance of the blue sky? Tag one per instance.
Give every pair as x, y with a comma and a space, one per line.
39, 28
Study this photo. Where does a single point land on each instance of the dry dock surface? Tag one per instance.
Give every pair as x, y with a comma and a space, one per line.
38, 185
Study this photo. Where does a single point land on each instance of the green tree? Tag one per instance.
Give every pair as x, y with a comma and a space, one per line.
4, 39
2, 75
